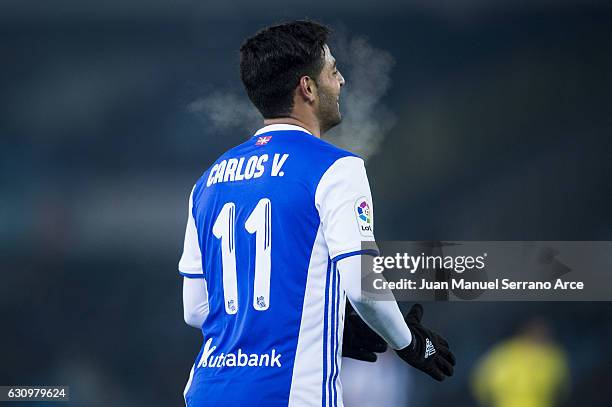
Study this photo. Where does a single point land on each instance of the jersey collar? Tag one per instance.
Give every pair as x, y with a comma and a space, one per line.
280, 127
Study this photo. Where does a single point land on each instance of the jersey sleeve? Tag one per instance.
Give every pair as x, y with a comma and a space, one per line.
190, 264
344, 202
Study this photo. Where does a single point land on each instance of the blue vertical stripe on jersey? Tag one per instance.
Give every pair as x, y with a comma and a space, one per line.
325, 327
337, 336
231, 228
265, 225
334, 324
332, 342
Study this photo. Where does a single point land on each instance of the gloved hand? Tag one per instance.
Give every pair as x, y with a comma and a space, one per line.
428, 351
360, 341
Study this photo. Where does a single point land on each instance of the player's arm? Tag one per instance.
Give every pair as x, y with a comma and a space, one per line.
359, 341
344, 203
195, 294
195, 301
383, 316
413, 342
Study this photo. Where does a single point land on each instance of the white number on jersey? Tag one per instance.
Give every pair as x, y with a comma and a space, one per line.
224, 229
259, 223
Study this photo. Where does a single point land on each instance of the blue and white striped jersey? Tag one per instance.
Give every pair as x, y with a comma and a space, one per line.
267, 222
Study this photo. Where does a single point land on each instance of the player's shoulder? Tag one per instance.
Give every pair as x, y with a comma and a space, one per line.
313, 153
307, 156
233, 152
320, 153
324, 161
334, 152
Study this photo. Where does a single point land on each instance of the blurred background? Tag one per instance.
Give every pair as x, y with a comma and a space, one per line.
480, 119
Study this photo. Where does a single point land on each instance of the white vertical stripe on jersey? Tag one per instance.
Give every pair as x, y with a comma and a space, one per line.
306, 381
188, 385
338, 328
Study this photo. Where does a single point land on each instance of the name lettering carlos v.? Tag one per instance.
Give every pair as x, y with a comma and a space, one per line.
239, 169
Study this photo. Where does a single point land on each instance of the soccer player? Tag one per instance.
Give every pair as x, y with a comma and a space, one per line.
274, 240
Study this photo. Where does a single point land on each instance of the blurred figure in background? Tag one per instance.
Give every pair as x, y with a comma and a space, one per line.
529, 370
386, 383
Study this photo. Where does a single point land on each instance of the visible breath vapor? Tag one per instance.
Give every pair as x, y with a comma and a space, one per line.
227, 111
365, 118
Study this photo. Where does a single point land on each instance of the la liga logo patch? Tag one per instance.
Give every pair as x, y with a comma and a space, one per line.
363, 211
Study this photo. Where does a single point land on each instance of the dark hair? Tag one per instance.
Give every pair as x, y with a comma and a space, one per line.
273, 61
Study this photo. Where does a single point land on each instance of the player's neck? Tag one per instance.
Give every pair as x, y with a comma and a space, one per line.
311, 127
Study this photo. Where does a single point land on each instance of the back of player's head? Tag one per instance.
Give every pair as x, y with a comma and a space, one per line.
273, 61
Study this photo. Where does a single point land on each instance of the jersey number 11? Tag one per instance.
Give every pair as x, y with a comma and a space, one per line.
258, 223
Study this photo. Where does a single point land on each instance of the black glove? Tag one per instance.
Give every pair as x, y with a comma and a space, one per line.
428, 351
360, 341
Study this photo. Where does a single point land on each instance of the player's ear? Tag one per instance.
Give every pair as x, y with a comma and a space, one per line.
307, 89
